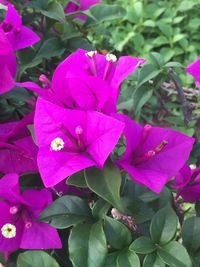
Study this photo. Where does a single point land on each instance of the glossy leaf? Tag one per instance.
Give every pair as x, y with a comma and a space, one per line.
100, 208
105, 183
143, 245
36, 258
102, 12
66, 211
153, 260
77, 179
117, 234
191, 233
128, 258
163, 225
175, 255
87, 245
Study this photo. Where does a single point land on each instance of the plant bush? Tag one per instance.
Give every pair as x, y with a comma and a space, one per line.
99, 134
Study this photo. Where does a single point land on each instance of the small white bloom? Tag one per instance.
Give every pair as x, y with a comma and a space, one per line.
8, 230
111, 57
57, 144
91, 54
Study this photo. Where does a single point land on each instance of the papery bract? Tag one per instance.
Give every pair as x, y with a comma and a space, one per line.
17, 149
21, 213
92, 68
71, 140
187, 182
7, 64
194, 70
87, 83
153, 155
80, 5
18, 35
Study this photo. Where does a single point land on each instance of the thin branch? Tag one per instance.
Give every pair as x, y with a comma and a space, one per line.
187, 107
126, 220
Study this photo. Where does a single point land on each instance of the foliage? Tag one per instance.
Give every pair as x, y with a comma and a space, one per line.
107, 219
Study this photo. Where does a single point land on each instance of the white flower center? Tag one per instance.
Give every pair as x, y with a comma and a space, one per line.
111, 57
57, 144
8, 230
91, 54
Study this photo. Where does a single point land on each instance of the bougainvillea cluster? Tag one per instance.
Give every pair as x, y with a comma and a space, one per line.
77, 126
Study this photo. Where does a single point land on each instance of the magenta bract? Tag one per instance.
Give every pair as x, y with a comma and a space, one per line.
72, 140
99, 76
87, 81
18, 35
187, 182
17, 149
194, 70
153, 155
81, 5
21, 217
7, 64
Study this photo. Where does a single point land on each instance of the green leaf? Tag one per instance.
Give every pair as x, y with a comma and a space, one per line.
186, 5
191, 233
173, 65
39, 4
175, 255
167, 53
36, 258
105, 183
87, 245
111, 260
100, 208
141, 97
77, 179
196, 259
157, 59
178, 37
128, 258
79, 42
66, 211
143, 245
55, 11
165, 28
147, 72
163, 225
50, 48
117, 234
102, 12
149, 196
152, 260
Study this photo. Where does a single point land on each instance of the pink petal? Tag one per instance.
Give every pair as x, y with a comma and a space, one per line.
25, 38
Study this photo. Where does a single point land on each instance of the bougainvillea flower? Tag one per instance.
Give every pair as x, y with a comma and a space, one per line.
18, 152
194, 70
89, 68
18, 35
81, 5
19, 223
87, 81
7, 64
188, 184
72, 140
153, 155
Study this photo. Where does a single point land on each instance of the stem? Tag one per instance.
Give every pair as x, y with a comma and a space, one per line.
187, 107
178, 209
126, 220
